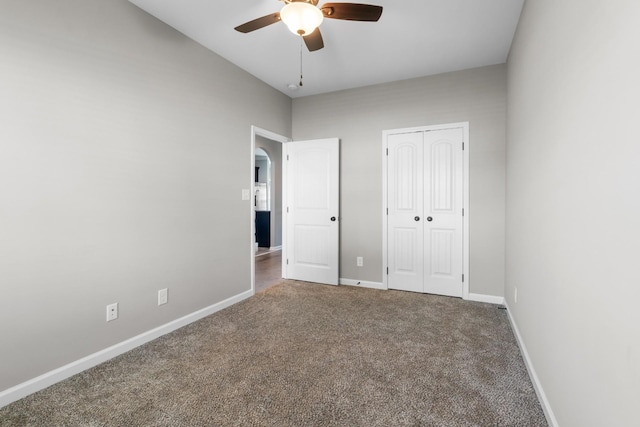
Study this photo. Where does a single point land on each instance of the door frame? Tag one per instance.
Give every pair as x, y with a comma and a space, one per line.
256, 131
465, 197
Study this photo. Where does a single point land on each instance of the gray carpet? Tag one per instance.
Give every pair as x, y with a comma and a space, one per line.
301, 354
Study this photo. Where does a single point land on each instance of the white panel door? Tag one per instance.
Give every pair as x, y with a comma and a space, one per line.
424, 217
312, 209
405, 229
443, 199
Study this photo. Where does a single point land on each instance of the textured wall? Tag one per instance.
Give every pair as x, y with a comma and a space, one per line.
359, 116
124, 147
573, 205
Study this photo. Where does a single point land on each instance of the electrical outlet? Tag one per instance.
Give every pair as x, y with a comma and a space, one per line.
163, 296
112, 312
515, 295
359, 261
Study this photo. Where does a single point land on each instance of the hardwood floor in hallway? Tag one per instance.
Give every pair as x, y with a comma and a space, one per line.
268, 269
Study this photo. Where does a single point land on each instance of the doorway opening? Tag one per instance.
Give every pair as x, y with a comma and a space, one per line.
266, 208
266, 238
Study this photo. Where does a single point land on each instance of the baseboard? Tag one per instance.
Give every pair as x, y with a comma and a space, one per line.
537, 386
45, 380
491, 299
362, 284
275, 248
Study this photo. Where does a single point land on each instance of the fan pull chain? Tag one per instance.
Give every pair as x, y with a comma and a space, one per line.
300, 84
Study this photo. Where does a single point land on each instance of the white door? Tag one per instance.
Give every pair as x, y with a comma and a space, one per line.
312, 209
405, 202
443, 211
425, 218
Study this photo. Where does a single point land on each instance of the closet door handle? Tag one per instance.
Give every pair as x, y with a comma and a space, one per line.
333, 218
429, 219
417, 218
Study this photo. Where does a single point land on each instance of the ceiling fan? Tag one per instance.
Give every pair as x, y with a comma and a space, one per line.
303, 18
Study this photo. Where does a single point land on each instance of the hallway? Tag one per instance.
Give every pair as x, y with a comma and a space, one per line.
268, 269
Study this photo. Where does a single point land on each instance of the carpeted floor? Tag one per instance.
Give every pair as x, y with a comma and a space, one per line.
301, 354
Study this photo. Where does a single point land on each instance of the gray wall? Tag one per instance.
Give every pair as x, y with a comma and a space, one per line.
124, 149
274, 149
573, 205
359, 116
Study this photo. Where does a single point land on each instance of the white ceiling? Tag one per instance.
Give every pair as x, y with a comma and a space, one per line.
413, 38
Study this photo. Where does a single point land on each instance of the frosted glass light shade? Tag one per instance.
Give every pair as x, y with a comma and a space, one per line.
302, 18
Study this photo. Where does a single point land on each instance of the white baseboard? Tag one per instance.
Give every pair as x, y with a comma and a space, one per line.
45, 380
362, 284
491, 299
275, 248
542, 397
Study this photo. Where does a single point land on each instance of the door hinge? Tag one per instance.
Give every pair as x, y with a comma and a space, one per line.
463, 278
387, 151
462, 211
387, 271
287, 157
287, 209
387, 211
287, 261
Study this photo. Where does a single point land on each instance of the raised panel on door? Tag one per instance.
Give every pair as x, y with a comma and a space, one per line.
443, 211
405, 203
312, 202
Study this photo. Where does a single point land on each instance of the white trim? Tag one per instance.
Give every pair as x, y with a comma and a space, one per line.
256, 131
537, 386
285, 212
467, 211
269, 251
465, 185
275, 248
363, 284
491, 299
45, 380
385, 204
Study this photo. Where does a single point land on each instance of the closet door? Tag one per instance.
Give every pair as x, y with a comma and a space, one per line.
405, 186
425, 218
443, 202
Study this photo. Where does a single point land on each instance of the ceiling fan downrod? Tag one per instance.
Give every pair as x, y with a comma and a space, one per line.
301, 40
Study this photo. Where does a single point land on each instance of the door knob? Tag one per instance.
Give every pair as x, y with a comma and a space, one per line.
417, 218
333, 218
429, 219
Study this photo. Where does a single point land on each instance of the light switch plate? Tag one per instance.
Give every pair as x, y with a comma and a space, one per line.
163, 296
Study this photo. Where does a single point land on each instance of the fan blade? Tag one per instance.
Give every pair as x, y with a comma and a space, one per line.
314, 40
352, 11
256, 24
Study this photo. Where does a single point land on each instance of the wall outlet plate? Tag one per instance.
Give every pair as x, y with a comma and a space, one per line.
359, 261
112, 312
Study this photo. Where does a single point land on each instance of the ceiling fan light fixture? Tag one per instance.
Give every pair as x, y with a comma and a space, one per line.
302, 18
